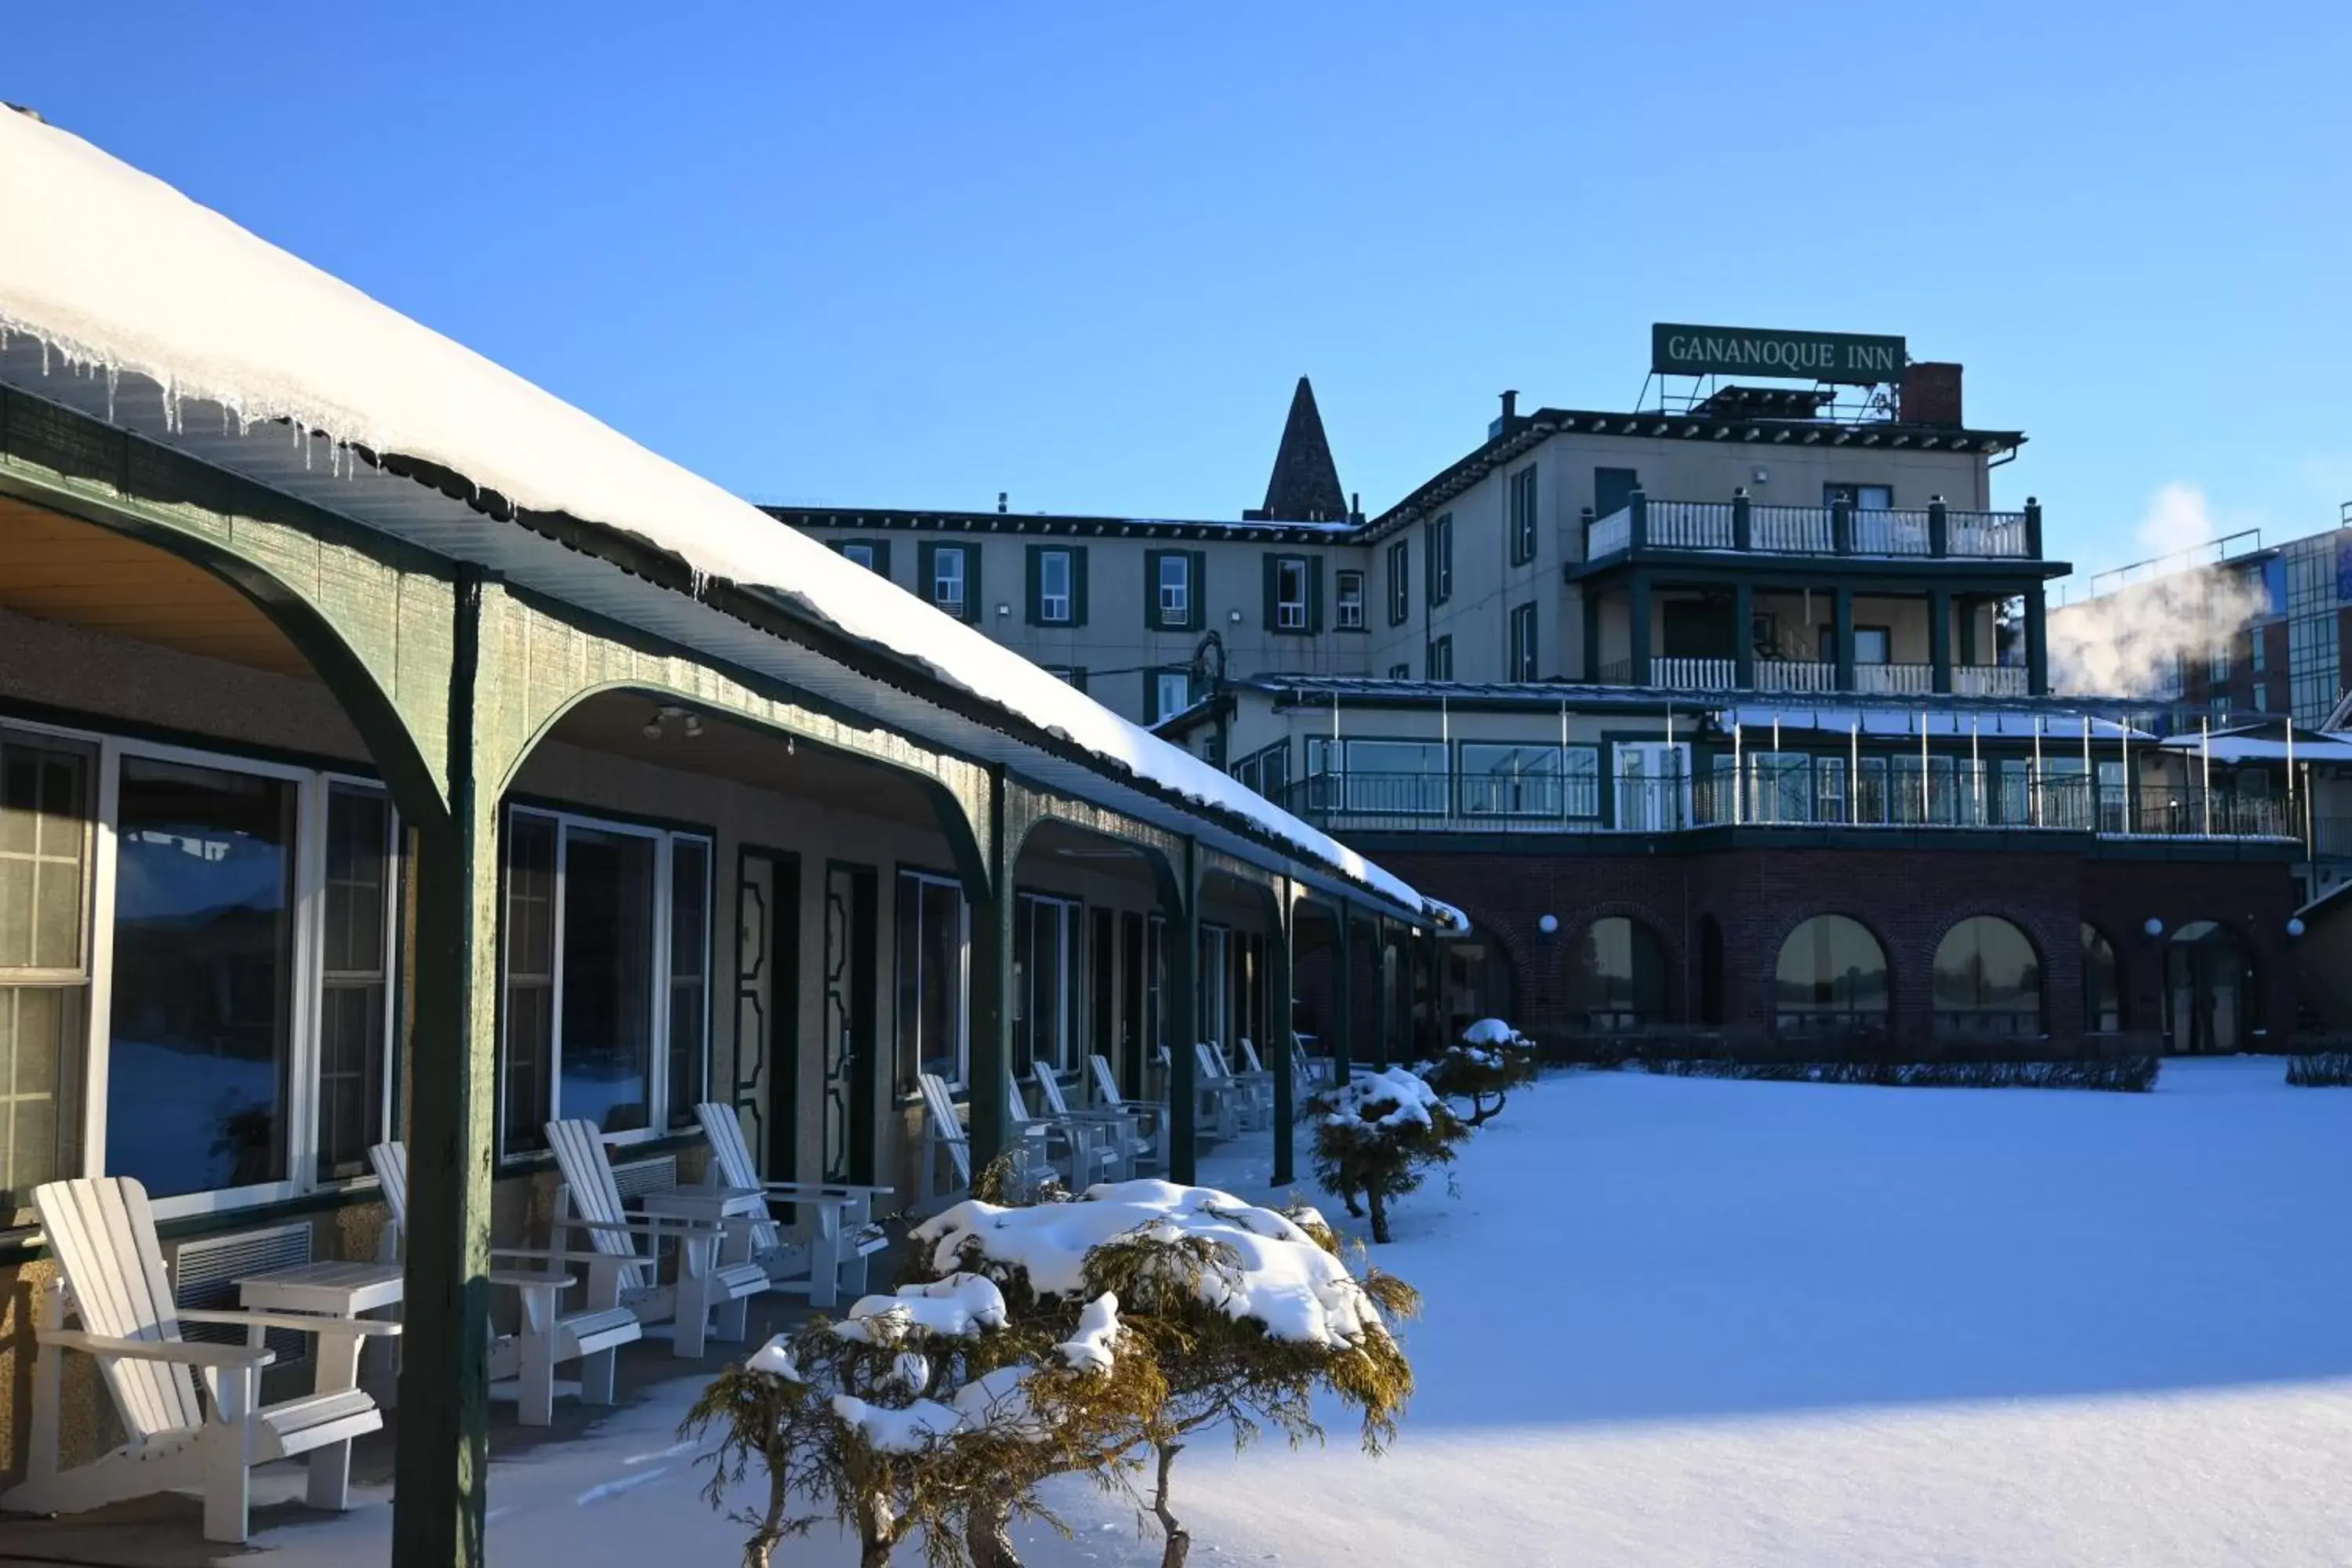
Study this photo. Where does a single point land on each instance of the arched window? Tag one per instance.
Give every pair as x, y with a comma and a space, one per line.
1831, 977
1710, 971
1987, 980
2103, 991
1617, 974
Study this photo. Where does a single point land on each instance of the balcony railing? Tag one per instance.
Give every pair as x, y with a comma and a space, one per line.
1678, 673
1933, 531
1817, 795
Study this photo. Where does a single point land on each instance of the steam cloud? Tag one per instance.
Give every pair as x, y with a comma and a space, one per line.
2125, 643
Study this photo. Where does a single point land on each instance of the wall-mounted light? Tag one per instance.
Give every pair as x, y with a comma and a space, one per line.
1760, 474
1004, 609
2294, 926
1548, 924
1235, 617
2153, 926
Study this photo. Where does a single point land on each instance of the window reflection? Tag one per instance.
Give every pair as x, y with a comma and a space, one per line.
1987, 979
203, 946
2102, 995
1617, 975
1832, 976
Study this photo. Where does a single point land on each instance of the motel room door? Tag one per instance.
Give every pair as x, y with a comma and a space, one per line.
767, 1004
851, 1056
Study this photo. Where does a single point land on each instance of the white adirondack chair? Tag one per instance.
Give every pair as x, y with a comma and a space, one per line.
943, 1127
1224, 1102
1087, 1155
102, 1233
1150, 1116
841, 1232
1121, 1132
622, 1272
523, 1365
1255, 1082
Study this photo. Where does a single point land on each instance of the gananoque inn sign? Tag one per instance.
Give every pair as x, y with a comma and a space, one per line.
1752, 350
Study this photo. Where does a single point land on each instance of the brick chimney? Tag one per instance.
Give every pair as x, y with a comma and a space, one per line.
1931, 394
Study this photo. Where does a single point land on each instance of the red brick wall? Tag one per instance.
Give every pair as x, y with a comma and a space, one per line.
1907, 897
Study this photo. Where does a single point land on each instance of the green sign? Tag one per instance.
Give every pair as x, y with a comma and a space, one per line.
1751, 351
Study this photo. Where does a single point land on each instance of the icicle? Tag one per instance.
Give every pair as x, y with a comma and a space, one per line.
700, 580
45, 356
113, 377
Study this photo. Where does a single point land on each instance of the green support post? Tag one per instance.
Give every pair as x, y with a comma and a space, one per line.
1842, 634
992, 985
1343, 1003
1939, 639
1278, 989
1637, 610
1180, 906
1384, 996
1743, 635
441, 1446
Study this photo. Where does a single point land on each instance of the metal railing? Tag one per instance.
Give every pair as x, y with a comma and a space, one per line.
1795, 675
1821, 794
1894, 680
1677, 672
1934, 529
1988, 680
1693, 674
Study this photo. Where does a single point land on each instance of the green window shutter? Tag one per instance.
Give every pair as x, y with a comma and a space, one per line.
1034, 612
1078, 594
926, 553
1315, 595
1197, 596
1151, 600
1079, 678
882, 558
1272, 593
975, 609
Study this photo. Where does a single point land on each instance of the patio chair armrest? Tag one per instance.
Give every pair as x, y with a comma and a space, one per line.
567, 1255
531, 1279
650, 1225
186, 1352
302, 1322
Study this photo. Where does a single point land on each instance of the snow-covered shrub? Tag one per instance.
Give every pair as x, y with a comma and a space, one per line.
1377, 1134
1246, 1312
1492, 1060
2320, 1069
932, 1410
2127, 1075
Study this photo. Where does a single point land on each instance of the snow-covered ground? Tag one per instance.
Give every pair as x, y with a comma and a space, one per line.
1684, 1321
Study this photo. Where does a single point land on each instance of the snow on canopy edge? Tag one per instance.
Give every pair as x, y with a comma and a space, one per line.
122, 272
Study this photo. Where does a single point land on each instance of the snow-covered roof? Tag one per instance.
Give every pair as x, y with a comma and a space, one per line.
1986, 723
2307, 747
119, 277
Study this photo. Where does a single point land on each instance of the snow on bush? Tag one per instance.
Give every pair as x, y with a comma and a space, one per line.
928, 1410
1492, 1059
1248, 1312
1377, 1134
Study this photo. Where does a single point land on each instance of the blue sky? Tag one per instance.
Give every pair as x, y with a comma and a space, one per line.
914, 256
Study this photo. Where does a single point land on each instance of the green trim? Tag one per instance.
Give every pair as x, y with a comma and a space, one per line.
540, 803
191, 739
880, 547
926, 556
1035, 577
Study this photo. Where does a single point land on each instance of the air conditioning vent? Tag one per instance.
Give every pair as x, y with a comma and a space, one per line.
205, 1274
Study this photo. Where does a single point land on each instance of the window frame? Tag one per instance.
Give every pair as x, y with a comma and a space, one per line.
1193, 590
926, 875
1524, 649
1347, 608
1152, 691
70, 1145
960, 606
1047, 557
658, 1110
1437, 657
1438, 564
1399, 569
1524, 495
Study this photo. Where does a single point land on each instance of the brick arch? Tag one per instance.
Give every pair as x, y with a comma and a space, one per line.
2118, 956
1776, 938
2047, 965
1680, 1006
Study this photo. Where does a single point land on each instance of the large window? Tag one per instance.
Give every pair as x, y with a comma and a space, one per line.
2102, 992
948, 579
355, 957
44, 847
1216, 980
200, 1006
1831, 976
1617, 975
1046, 939
1523, 516
1380, 777
1171, 691
1503, 780
931, 958
607, 975
1986, 980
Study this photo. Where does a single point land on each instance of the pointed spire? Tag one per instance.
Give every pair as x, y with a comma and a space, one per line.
1305, 487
